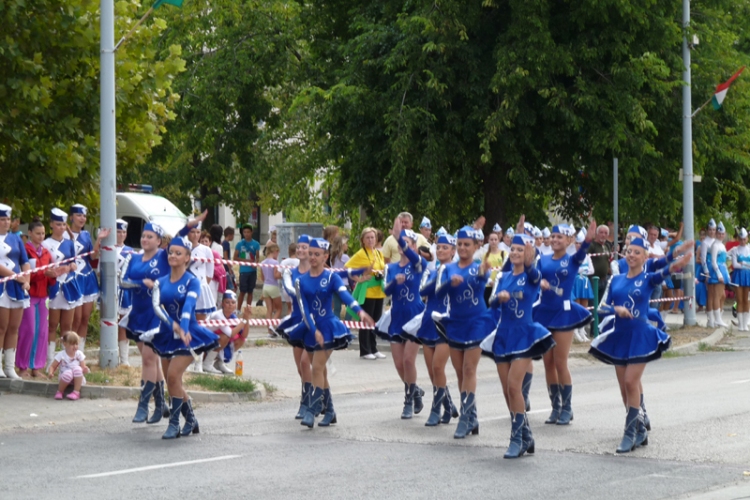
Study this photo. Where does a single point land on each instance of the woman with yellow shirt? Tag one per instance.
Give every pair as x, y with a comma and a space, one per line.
496, 258
369, 291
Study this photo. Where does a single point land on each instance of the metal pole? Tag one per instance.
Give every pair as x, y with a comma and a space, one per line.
595, 286
617, 203
108, 176
687, 167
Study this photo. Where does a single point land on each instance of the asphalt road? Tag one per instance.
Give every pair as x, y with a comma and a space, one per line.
699, 446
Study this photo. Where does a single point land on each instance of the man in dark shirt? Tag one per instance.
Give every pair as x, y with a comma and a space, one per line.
601, 262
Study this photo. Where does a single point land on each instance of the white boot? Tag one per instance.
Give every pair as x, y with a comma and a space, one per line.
710, 321
10, 363
124, 348
50, 354
197, 366
718, 319
208, 363
2, 374
220, 363
742, 317
82, 344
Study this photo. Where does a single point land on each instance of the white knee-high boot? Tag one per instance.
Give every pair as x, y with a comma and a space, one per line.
124, 350
10, 363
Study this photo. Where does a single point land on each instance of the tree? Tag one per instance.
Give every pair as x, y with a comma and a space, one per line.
49, 100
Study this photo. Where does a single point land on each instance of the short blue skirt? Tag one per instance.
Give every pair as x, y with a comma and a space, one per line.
701, 294
166, 346
582, 289
741, 277
630, 341
293, 329
140, 322
87, 284
335, 335
518, 341
713, 278
557, 319
464, 333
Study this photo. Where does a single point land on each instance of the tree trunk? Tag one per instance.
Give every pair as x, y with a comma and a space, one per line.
496, 209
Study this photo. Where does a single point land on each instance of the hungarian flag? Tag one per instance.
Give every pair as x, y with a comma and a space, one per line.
722, 88
159, 3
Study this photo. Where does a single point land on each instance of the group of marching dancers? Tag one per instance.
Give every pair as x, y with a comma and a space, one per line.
442, 307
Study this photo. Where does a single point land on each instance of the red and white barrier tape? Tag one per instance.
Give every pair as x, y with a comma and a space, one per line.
44, 268
689, 300
357, 325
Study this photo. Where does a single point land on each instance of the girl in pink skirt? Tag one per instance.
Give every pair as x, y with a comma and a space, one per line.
33, 333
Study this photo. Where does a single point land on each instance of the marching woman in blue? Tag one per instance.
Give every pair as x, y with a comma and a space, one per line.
741, 278
14, 294
64, 295
633, 341
561, 316
325, 331
467, 323
435, 347
402, 280
124, 295
518, 338
180, 337
718, 276
85, 275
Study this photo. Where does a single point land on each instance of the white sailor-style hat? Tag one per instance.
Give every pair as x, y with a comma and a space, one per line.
545, 232
57, 215
720, 228
581, 236
79, 209
743, 232
122, 225
496, 228
510, 232
426, 223
442, 231
712, 224
5, 210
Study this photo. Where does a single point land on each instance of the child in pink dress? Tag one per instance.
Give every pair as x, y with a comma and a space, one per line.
72, 367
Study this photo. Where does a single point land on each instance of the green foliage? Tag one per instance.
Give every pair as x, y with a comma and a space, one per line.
222, 384
49, 100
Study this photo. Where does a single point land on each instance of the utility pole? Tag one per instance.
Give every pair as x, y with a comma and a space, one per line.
687, 167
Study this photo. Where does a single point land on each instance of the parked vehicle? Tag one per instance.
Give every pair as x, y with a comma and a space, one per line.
139, 208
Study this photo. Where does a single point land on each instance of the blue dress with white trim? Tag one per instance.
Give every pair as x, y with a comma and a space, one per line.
13, 255
422, 326
141, 319
467, 322
631, 341
517, 335
85, 275
718, 265
741, 265
64, 294
405, 299
556, 311
175, 302
315, 298
124, 295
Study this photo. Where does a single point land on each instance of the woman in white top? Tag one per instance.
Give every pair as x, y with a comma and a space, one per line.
741, 277
202, 267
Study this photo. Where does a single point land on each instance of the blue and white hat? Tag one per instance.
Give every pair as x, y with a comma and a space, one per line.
720, 228
537, 232
468, 232
154, 228
304, 239
510, 232
442, 231
581, 236
639, 242
521, 239
446, 239
743, 232
496, 228
229, 295
181, 241
409, 234
319, 243
5, 210
480, 235
563, 229
712, 224
545, 232
57, 215
638, 230
426, 223
79, 209
528, 228
122, 225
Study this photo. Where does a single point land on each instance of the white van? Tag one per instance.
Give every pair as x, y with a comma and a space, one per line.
139, 208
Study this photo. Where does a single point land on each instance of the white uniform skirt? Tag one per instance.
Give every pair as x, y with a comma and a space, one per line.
206, 303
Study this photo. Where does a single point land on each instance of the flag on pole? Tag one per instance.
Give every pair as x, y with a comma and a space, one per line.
159, 3
721, 90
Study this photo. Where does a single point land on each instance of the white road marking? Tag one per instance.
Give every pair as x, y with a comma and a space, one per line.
160, 466
740, 381
503, 417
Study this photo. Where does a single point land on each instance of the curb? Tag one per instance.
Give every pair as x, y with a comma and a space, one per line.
711, 340
48, 389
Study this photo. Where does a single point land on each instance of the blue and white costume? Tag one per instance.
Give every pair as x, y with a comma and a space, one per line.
467, 322
517, 334
718, 263
13, 256
84, 275
405, 298
141, 319
635, 340
175, 302
124, 295
315, 298
556, 311
203, 271
741, 265
64, 294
